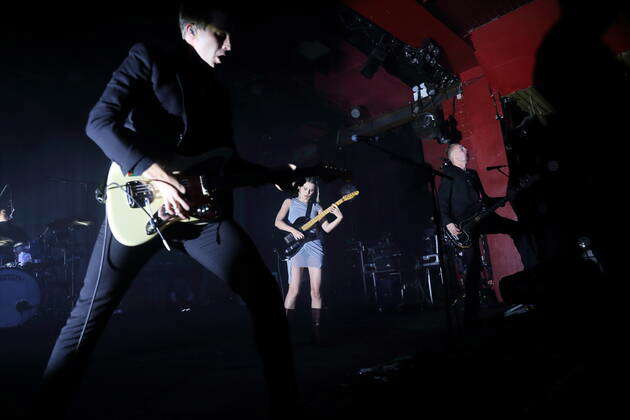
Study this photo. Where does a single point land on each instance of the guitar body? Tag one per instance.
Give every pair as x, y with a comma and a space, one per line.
293, 245
463, 240
127, 224
465, 237
130, 200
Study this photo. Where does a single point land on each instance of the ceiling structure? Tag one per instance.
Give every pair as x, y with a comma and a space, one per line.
393, 35
448, 22
462, 16
331, 49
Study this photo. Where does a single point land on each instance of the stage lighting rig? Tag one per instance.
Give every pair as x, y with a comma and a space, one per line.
378, 55
412, 65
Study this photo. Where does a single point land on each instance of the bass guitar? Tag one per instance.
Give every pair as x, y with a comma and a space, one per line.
133, 203
468, 224
310, 228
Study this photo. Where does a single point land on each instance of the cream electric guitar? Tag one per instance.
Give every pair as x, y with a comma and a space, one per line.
133, 203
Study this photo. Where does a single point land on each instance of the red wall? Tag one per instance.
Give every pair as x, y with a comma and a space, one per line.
500, 61
481, 134
505, 50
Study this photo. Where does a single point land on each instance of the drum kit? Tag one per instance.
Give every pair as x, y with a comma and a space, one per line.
393, 279
37, 277
381, 265
383, 268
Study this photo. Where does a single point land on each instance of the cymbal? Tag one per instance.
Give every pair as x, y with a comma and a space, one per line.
68, 222
5, 241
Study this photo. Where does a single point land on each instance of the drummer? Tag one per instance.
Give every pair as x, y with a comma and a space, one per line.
10, 236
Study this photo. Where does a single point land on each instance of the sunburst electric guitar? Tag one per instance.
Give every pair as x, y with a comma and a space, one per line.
309, 228
133, 203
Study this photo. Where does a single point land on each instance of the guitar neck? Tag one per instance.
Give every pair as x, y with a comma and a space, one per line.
320, 216
501, 202
524, 183
489, 210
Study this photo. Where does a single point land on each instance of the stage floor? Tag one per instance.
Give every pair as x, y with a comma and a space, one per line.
202, 364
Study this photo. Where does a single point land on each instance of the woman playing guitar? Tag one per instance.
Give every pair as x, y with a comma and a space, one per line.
311, 256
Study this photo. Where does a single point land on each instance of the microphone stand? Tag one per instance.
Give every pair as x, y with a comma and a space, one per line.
429, 174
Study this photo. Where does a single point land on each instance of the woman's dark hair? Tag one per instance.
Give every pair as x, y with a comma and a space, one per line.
312, 180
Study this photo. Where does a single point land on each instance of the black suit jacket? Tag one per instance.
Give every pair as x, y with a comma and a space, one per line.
160, 100
460, 196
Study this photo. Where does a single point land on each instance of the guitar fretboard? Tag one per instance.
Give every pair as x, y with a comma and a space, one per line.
320, 216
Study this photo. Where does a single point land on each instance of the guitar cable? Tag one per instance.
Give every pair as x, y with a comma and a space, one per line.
98, 279
100, 267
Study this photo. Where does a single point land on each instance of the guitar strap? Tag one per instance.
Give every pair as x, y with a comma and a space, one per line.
309, 207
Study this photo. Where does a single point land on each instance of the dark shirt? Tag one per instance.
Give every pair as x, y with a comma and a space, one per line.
160, 100
460, 196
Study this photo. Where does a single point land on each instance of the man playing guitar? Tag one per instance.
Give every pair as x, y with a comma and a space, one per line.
460, 197
163, 100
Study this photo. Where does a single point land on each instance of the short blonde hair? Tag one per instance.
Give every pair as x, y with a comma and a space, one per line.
449, 149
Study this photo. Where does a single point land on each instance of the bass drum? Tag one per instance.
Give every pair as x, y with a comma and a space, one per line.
19, 297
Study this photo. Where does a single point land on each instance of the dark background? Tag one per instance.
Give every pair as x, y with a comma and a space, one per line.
56, 62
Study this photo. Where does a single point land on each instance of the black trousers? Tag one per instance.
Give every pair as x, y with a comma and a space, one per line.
471, 258
224, 249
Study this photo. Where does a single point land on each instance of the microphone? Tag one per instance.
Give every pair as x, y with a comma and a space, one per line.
491, 168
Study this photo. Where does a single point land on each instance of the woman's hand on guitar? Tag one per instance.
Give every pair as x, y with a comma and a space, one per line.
453, 229
170, 190
297, 234
334, 209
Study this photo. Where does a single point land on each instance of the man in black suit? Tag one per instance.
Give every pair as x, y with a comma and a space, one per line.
159, 101
462, 195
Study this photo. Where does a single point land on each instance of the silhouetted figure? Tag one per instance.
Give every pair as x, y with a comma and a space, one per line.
165, 100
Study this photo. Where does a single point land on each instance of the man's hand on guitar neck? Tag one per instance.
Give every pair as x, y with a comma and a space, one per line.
170, 190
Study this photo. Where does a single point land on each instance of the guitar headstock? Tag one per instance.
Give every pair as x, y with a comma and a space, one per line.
527, 181
350, 196
522, 183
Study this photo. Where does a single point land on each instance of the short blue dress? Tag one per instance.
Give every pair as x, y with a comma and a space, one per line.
312, 253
